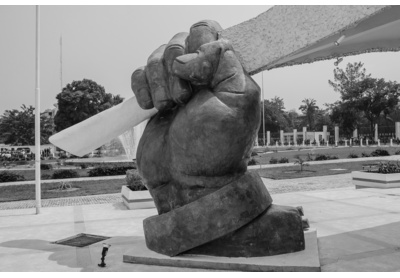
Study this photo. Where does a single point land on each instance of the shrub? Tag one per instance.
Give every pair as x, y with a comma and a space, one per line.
253, 154
325, 157
283, 160
321, 157
364, 154
65, 174
7, 176
273, 160
397, 152
45, 177
46, 167
83, 166
380, 152
353, 155
109, 171
134, 181
252, 161
388, 167
301, 162
332, 157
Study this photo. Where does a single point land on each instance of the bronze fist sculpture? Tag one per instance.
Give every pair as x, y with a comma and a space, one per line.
194, 152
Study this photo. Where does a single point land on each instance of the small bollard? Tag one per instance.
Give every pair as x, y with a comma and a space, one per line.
103, 254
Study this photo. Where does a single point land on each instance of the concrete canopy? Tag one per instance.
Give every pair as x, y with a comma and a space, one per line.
292, 35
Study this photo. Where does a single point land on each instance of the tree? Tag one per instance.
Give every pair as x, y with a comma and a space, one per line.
18, 127
345, 81
310, 109
362, 93
80, 100
345, 115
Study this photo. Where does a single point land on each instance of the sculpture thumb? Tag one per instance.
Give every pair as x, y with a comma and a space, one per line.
99, 129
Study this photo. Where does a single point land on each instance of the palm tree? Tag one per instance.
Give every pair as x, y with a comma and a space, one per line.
309, 109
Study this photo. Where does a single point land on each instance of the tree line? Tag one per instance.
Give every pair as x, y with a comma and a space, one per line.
364, 101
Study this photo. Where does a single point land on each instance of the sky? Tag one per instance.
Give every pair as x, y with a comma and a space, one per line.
107, 43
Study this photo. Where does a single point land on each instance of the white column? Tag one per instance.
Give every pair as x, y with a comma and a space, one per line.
345, 143
304, 133
336, 133
379, 142
325, 130
366, 141
355, 133
281, 137
397, 127
268, 138
391, 142
295, 137
361, 142
376, 132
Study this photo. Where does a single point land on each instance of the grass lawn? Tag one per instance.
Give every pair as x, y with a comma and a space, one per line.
264, 158
50, 190
293, 172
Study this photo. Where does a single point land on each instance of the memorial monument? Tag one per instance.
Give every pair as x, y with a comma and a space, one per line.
194, 152
204, 110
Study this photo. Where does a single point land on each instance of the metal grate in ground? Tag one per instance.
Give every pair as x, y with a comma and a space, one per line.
81, 240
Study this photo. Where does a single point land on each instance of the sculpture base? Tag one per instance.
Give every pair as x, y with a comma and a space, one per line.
306, 260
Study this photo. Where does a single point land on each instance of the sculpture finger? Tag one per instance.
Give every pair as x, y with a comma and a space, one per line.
202, 32
179, 89
214, 64
157, 79
141, 89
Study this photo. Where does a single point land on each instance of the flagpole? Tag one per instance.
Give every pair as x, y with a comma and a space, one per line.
37, 114
263, 107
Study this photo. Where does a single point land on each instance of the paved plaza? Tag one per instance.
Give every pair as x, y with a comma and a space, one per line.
357, 229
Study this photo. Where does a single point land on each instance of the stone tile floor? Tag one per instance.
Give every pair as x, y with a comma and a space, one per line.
358, 230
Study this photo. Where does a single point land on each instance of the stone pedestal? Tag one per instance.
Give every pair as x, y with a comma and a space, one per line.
305, 261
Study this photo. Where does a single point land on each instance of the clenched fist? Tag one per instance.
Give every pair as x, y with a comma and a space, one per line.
209, 113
